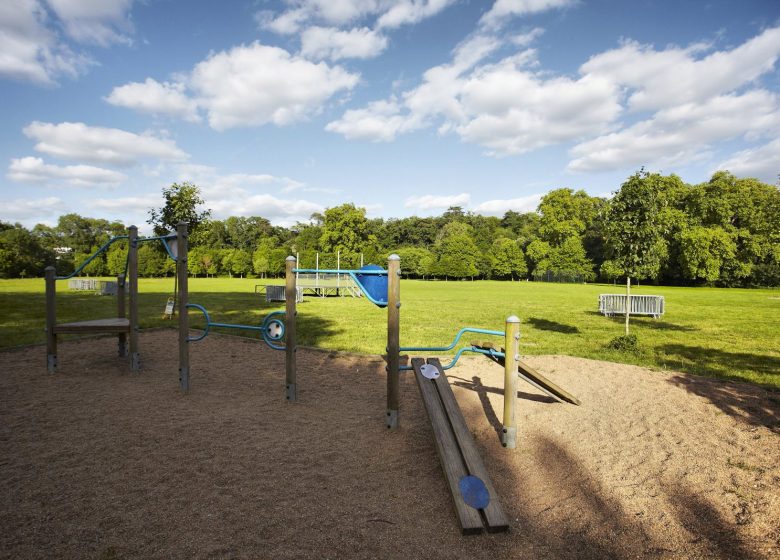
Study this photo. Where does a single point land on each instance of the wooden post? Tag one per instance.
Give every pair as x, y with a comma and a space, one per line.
121, 313
512, 349
393, 337
184, 319
132, 270
51, 319
290, 329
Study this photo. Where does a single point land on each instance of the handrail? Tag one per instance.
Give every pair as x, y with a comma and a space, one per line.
263, 329
352, 274
461, 332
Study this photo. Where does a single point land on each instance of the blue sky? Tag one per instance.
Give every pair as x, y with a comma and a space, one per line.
281, 109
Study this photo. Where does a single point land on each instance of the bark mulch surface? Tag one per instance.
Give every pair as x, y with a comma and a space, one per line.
97, 462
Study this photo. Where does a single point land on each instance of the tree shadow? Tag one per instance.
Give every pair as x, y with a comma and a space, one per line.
719, 363
547, 325
644, 321
752, 404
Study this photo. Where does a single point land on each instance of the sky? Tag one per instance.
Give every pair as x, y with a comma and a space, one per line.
285, 108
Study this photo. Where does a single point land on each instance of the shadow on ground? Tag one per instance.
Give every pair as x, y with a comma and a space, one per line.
547, 325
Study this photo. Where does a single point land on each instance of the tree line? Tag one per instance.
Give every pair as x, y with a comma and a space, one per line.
723, 232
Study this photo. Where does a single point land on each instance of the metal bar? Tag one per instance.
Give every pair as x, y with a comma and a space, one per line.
338, 271
92, 257
461, 332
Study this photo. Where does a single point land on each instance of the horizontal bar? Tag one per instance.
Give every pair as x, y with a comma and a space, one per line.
461, 332
336, 271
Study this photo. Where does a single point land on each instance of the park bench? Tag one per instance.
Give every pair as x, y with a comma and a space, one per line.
615, 304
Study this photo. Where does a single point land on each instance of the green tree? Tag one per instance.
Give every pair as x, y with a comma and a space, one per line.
151, 261
705, 250
634, 231
21, 254
182, 202
507, 259
566, 214
415, 261
455, 251
116, 258
346, 229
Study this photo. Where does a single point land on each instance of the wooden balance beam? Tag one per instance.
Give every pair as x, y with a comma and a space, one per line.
531, 375
458, 452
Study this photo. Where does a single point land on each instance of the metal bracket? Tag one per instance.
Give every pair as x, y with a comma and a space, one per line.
509, 437
392, 419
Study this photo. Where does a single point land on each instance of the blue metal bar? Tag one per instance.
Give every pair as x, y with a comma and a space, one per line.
336, 271
461, 332
461, 352
92, 257
209, 323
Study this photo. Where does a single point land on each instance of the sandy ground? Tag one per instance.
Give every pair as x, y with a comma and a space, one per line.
96, 462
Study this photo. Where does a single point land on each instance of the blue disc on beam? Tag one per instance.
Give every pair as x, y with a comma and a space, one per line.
474, 492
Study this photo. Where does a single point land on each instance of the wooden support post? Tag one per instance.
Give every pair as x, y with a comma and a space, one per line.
512, 349
393, 337
132, 270
121, 314
184, 318
290, 329
51, 319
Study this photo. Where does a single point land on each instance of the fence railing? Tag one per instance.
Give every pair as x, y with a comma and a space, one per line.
615, 304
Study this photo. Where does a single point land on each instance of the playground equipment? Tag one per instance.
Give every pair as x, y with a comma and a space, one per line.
123, 326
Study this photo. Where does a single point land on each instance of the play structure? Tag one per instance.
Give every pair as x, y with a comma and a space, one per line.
125, 323
472, 491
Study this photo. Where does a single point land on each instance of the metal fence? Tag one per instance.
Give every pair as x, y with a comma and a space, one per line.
100, 287
615, 304
560, 277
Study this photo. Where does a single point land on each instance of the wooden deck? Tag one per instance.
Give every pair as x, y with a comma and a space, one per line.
458, 452
112, 325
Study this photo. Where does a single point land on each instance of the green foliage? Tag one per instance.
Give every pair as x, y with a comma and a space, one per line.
634, 228
507, 259
624, 343
455, 252
704, 251
345, 229
416, 262
21, 254
565, 214
182, 201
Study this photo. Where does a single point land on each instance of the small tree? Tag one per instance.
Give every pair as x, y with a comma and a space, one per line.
634, 230
181, 205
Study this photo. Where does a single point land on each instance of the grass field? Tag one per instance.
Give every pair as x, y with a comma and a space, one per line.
726, 333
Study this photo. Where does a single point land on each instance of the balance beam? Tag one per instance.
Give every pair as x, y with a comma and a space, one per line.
532, 376
458, 452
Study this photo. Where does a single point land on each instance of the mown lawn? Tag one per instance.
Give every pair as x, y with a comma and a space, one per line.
726, 333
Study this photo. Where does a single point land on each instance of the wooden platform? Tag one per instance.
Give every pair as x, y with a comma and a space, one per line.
112, 325
458, 452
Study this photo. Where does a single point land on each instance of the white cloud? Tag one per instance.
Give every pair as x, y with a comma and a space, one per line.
277, 210
100, 22
34, 170
329, 42
502, 10
127, 204
31, 52
680, 134
257, 84
77, 141
154, 97
500, 207
505, 107
762, 162
380, 121
675, 76
32, 211
433, 202
405, 12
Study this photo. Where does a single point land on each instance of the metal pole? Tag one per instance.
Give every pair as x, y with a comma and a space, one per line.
317, 268
393, 337
512, 351
338, 267
184, 318
290, 336
132, 270
51, 319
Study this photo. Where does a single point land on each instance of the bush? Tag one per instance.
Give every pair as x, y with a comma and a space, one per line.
624, 343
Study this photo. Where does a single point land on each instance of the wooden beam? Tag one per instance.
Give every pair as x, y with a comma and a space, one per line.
95, 326
51, 319
449, 453
184, 318
132, 270
121, 313
494, 514
290, 340
393, 338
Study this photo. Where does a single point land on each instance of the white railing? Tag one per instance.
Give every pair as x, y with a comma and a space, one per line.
615, 304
